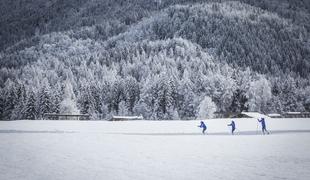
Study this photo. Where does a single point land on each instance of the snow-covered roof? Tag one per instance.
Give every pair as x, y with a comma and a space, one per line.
127, 117
255, 115
274, 115
293, 112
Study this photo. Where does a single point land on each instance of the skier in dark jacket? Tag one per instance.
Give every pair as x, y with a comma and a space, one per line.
203, 126
233, 127
263, 123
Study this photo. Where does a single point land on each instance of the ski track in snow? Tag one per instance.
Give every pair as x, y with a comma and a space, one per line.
139, 150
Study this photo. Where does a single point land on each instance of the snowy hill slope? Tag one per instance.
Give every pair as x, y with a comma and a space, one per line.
153, 150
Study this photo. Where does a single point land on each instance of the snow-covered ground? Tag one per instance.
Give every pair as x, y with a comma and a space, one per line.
152, 150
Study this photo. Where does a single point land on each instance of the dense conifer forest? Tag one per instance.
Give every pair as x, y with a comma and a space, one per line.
163, 59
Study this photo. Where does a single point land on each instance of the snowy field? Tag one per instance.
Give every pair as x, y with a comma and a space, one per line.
154, 150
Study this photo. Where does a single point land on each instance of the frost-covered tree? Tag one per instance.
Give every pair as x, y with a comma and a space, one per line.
45, 103
1, 105
30, 111
123, 110
87, 102
289, 96
132, 93
207, 108
259, 94
117, 95
142, 109
188, 102
239, 101
56, 100
11, 100
166, 98
68, 104
307, 98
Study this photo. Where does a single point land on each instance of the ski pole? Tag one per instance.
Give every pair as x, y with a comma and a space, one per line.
256, 127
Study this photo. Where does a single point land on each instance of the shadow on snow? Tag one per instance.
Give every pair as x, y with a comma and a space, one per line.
218, 133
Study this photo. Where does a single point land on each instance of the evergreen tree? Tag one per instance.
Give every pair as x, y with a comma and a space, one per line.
187, 98
45, 101
10, 101
289, 96
132, 93
30, 111
166, 96
98, 100
207, 108
68, 104
123, 110
2, 104
87, 102
117, 95
20, 101
56, 100
239, 101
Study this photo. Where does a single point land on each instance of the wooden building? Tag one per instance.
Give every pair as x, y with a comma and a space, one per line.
55, 116
296, 114
126, 118
275, 115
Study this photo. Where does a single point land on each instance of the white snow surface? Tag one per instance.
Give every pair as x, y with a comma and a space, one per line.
154, 150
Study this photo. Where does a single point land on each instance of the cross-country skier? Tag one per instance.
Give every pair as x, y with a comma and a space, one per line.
233, 127
203, 126
263, 123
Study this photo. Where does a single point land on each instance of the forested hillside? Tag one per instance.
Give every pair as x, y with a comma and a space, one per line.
159, 58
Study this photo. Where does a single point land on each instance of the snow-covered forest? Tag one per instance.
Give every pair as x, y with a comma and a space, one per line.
163, 59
